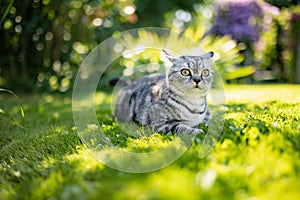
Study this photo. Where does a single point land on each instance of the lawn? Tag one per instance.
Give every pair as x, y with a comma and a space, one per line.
257, 156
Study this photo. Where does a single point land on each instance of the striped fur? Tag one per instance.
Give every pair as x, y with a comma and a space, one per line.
175, 102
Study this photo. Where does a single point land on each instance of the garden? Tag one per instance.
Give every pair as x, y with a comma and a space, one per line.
45, 45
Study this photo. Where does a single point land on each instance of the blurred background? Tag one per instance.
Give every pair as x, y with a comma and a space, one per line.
43, 42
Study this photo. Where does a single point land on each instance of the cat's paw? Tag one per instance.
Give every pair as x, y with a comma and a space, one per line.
194, 133
199, 131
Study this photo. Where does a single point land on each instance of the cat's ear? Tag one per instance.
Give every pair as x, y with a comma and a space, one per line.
208, 55
170, 56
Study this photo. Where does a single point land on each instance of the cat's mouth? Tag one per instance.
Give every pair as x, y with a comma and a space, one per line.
197, 86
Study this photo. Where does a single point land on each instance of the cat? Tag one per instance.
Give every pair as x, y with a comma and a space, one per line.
175, 102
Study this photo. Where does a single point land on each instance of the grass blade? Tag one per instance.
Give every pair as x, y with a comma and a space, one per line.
20, 105
6, 11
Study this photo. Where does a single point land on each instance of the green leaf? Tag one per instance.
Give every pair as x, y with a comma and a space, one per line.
6, 11
240, 72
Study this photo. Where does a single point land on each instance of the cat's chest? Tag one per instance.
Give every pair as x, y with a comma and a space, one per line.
192, 113
193, 119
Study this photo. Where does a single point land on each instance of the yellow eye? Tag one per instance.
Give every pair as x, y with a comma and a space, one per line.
185, 72
205, 73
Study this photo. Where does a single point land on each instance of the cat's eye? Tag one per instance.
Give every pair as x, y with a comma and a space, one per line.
205, 73
185, 72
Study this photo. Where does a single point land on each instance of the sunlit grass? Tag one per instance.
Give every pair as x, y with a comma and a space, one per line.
262, 93
257, 156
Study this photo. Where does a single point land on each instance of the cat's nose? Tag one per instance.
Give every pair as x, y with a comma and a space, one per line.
196, 80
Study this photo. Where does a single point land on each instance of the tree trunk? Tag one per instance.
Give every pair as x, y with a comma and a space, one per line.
297, 57
279, 50
295, 39
24, 39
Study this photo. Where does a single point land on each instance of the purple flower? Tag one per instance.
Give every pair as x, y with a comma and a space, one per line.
239, 20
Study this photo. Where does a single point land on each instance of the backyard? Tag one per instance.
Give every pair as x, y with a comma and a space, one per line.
58, 137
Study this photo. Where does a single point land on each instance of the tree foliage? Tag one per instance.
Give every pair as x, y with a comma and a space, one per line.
44, 41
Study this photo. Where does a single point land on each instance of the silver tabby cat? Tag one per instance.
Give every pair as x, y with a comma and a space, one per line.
173, 102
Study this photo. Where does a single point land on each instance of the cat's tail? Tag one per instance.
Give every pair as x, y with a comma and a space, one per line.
119, 82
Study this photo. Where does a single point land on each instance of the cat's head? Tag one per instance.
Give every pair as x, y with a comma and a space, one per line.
190, 74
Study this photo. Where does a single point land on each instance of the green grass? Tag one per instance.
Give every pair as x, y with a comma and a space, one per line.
257, 156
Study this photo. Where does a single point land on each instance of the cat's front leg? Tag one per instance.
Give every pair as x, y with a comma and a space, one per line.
207, 117
161, 121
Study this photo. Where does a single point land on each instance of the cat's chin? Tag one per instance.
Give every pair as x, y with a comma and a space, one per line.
202, 91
